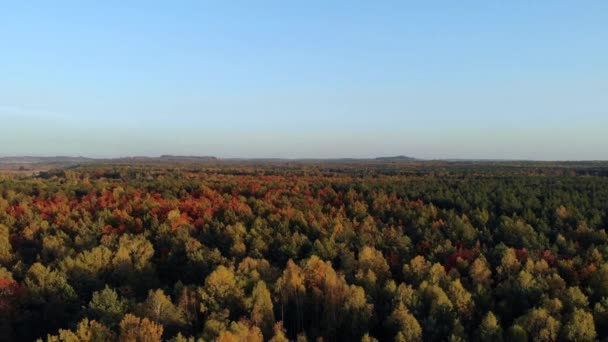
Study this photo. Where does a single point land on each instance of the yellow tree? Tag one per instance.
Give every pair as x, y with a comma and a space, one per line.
241, 332
222, 291
407, 327
87, 331
279, 333
580, 327
290, 288
461, 298
372, 269
489, 329
480, 272
135, 329
6, 253
262, 314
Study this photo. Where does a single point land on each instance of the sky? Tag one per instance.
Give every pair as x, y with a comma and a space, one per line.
305, 79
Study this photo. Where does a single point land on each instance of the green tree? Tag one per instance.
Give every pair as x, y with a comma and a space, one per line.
600, 316
45, 285
107, 306
50, 298
89, 270
599, 282
574, 298
517, 333
132, 262
517, 233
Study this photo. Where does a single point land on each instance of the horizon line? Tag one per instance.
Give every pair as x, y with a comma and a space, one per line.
373, 158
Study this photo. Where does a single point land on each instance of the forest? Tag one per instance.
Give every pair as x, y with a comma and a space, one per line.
305, 251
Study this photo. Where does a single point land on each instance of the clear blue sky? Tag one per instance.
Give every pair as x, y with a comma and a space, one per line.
430, 79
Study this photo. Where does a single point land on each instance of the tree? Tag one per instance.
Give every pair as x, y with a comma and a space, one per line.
251, 270
133, 254
580, 327
216, 323
509, 262
372, 268
241, 332
516, 233
189, 304
417, 269
407, 327
262, 314
10, 296
517, 333
50, 297
290, 288
88, 269
181, 338
46, 285
461, 298
107, 306
132, 263
600, 315
159, 308
6, 253
404, 294
279, 333
540, 325
87, 331
356, 313
599, 282
368, 338
222, 291
135, 329
574, 298
434, 298
439, 321
489, 329
480, 273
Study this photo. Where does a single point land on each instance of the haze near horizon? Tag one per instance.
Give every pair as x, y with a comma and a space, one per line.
473, 80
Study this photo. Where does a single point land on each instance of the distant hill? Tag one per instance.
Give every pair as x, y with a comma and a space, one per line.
166, 158
186, 158
397, 158
43, 160
71, 160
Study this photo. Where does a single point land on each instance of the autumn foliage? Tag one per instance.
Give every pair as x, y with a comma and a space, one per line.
299, 251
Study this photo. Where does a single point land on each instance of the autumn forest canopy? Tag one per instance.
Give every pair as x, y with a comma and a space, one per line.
339, 251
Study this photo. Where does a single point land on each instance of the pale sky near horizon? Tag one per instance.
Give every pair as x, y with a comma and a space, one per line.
433, 79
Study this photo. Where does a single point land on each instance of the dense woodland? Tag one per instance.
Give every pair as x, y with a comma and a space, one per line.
306, 251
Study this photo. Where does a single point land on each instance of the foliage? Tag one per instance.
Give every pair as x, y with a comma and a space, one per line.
339, 251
